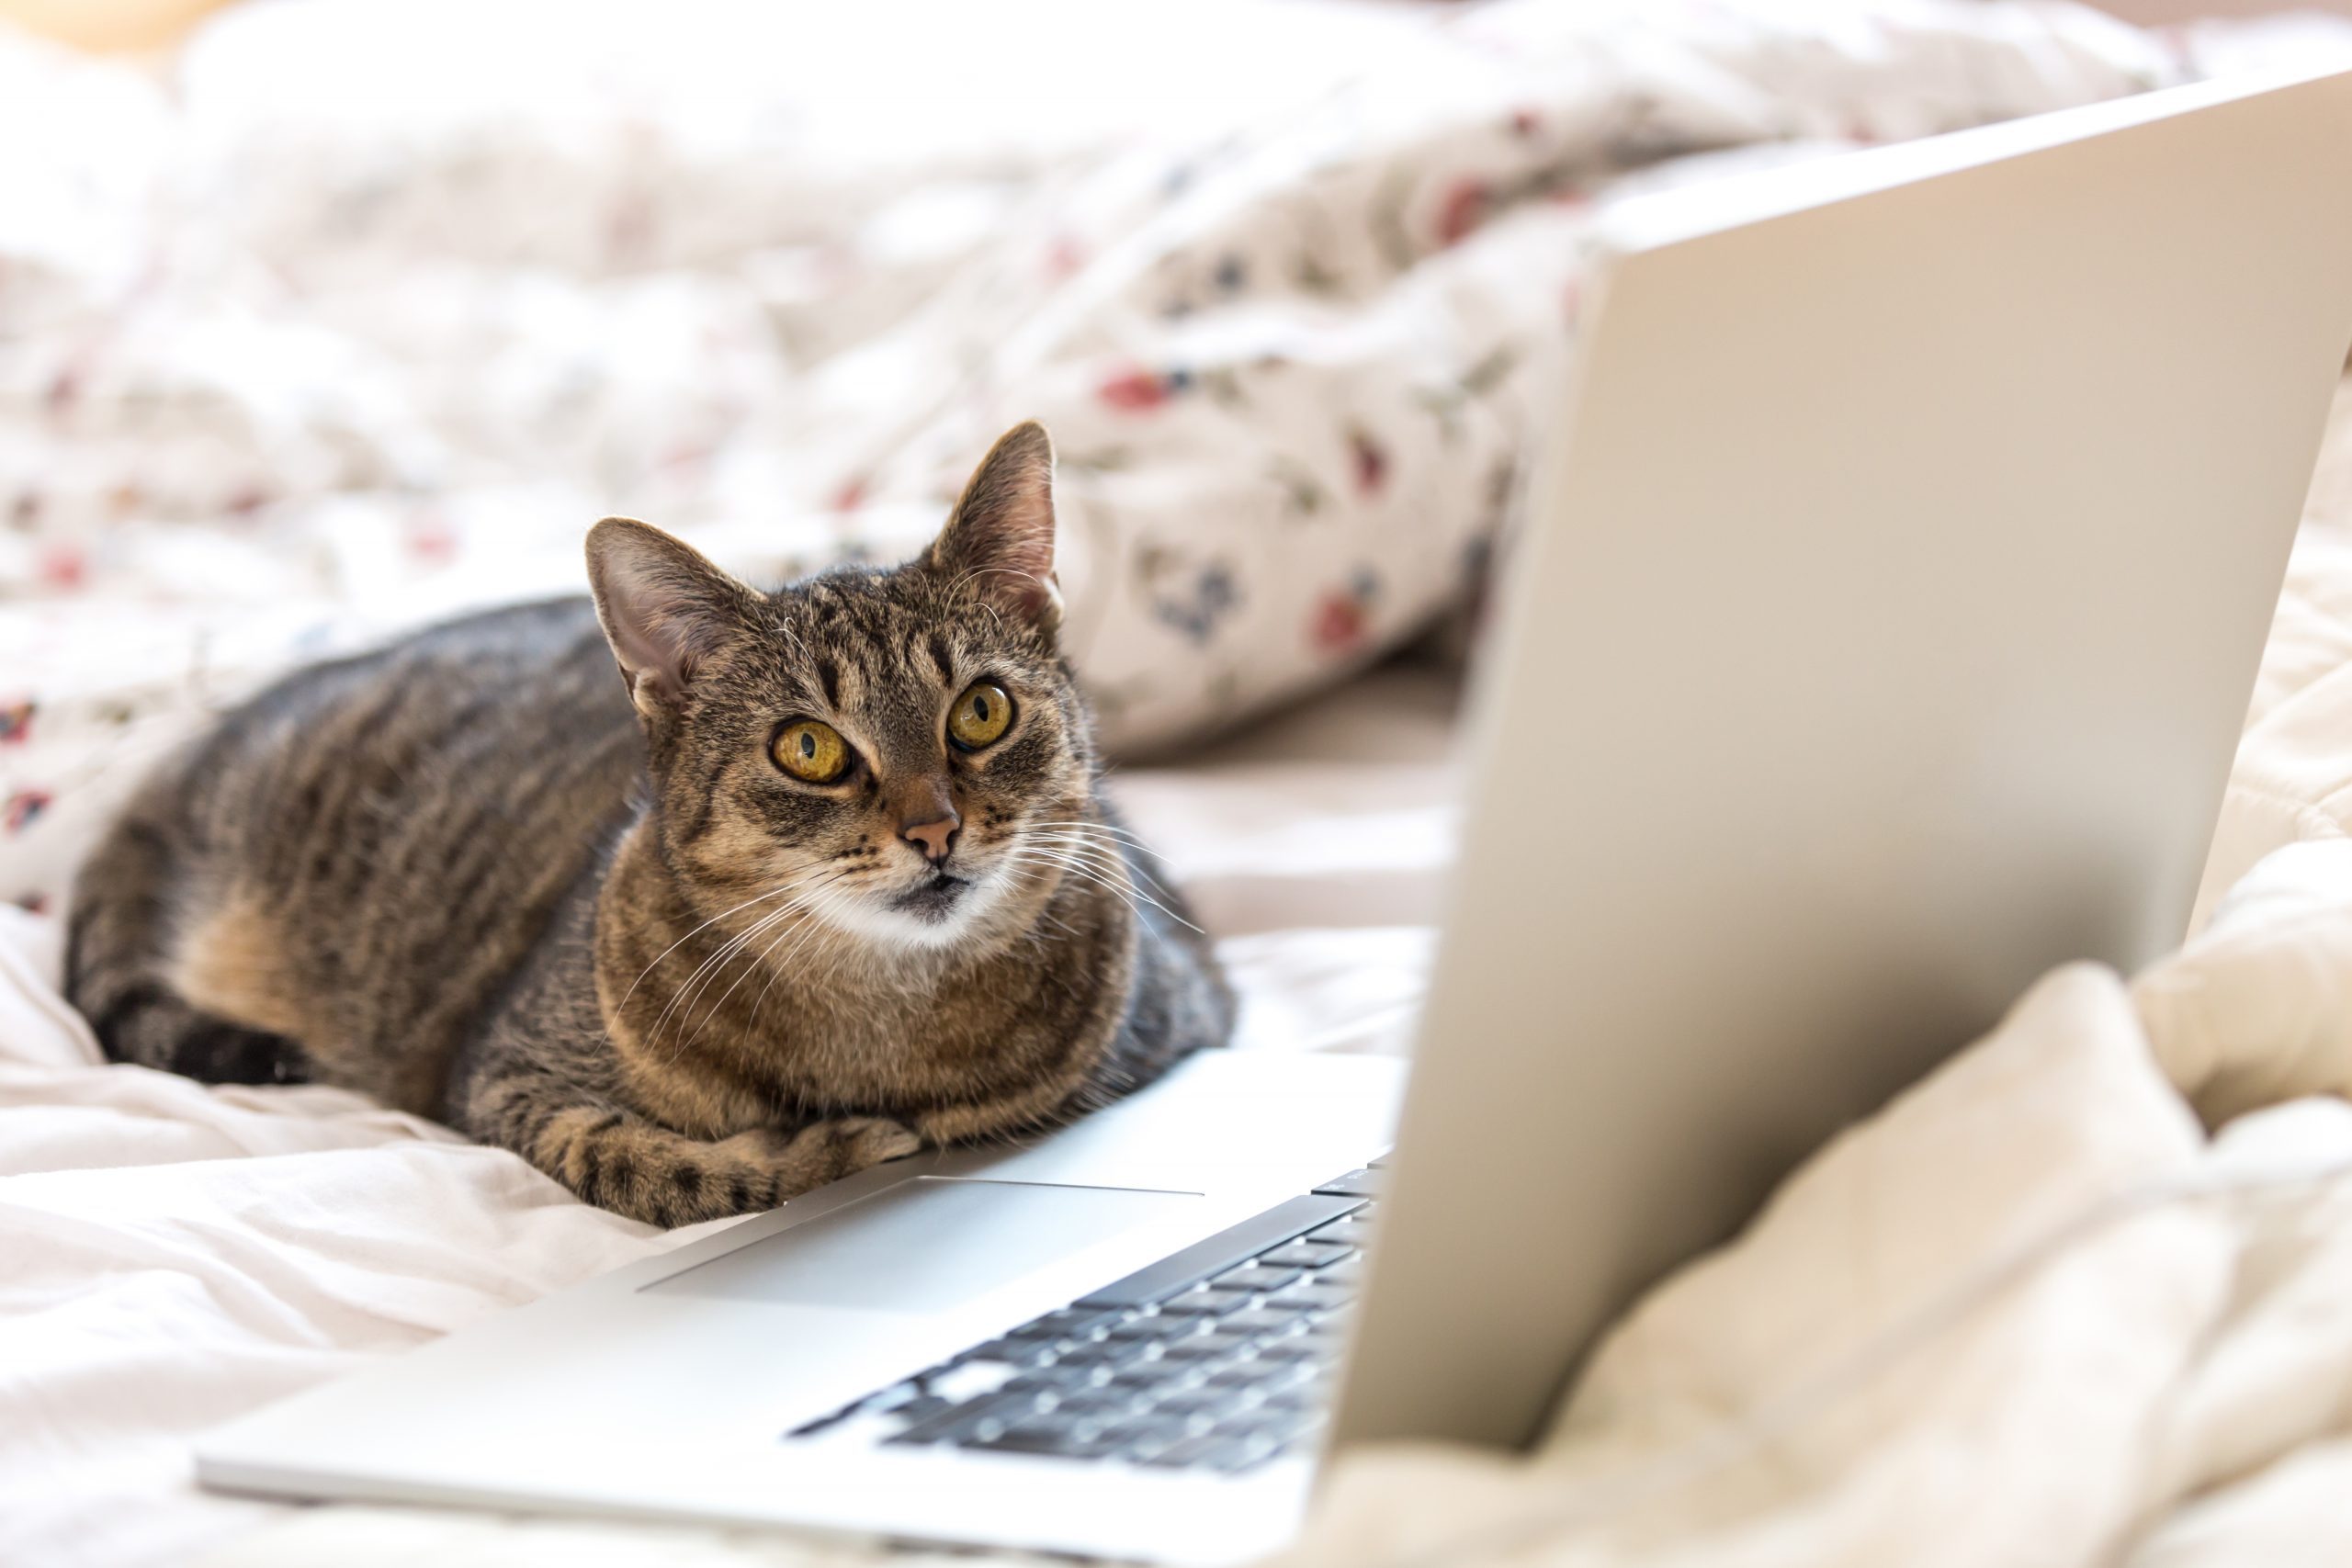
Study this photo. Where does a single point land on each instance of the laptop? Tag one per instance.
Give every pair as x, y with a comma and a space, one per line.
1892, 587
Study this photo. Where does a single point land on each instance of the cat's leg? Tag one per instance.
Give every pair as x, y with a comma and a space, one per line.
619, 1160
118, 970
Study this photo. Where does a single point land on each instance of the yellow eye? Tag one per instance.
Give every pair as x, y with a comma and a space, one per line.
811, 752
979, 716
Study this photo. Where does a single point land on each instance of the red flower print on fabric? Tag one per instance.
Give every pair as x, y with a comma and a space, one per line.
1371, 459
1463, 209
17, 723
1342, 618
64, 567
1134, 390
1340, 621
431, 540
22, 807
1339, 624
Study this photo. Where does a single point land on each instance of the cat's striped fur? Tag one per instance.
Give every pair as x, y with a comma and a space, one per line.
595, 921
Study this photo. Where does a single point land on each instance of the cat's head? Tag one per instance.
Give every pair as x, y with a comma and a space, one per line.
900, 753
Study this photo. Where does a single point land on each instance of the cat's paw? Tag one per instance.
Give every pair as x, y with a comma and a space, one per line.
828, 1151
862, 1140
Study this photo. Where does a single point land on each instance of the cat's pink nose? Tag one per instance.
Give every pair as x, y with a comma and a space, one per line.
934, 839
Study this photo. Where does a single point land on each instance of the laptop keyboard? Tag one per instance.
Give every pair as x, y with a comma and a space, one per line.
1217, 1356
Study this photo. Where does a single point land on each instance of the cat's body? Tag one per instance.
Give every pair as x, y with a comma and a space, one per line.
628, 929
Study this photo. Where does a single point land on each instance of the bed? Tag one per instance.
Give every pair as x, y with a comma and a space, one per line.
292, 356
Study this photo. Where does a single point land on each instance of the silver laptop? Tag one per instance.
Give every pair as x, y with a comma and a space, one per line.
1892, 590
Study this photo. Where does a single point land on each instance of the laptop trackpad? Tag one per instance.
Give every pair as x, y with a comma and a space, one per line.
924, 1244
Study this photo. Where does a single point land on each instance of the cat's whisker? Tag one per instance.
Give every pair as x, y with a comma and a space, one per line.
1118, 834
815, 889
709, 962
1113, 829
1045, 916
711, 966
681, 996
1124, 887
778, 969
1103, 859
725, 948
682, 941
819, 900
1141, 874
1126, 893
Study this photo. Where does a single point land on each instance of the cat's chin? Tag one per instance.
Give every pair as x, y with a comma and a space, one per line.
939, 911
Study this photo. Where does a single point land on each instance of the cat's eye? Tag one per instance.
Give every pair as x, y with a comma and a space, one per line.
979, 716
811, 752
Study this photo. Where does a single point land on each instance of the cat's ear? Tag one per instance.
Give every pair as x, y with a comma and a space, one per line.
665, 608
999, 542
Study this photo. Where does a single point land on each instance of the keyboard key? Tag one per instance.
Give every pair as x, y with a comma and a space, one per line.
1204, 1302
983, 1418
1154, 1377
1347, 1233
1015, 1353
1055, 1379
1228, 1248
1309, 1255
1312, 1298
1207, 1347
1100, 1403
1256, 1277
1261, 1376
891, 1398
1306, 1398
1269, 1420
1262, 1321
1068, 1323
1208, 1402
924, 1409
1109, 1353
1043, 1438
1141, 1329
1141, 1437
1347, 1272
1354, 1184
1307, 1348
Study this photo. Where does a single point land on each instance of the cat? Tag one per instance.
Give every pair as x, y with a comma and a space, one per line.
824, 876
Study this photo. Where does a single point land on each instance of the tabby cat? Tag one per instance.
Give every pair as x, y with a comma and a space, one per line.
824, 877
